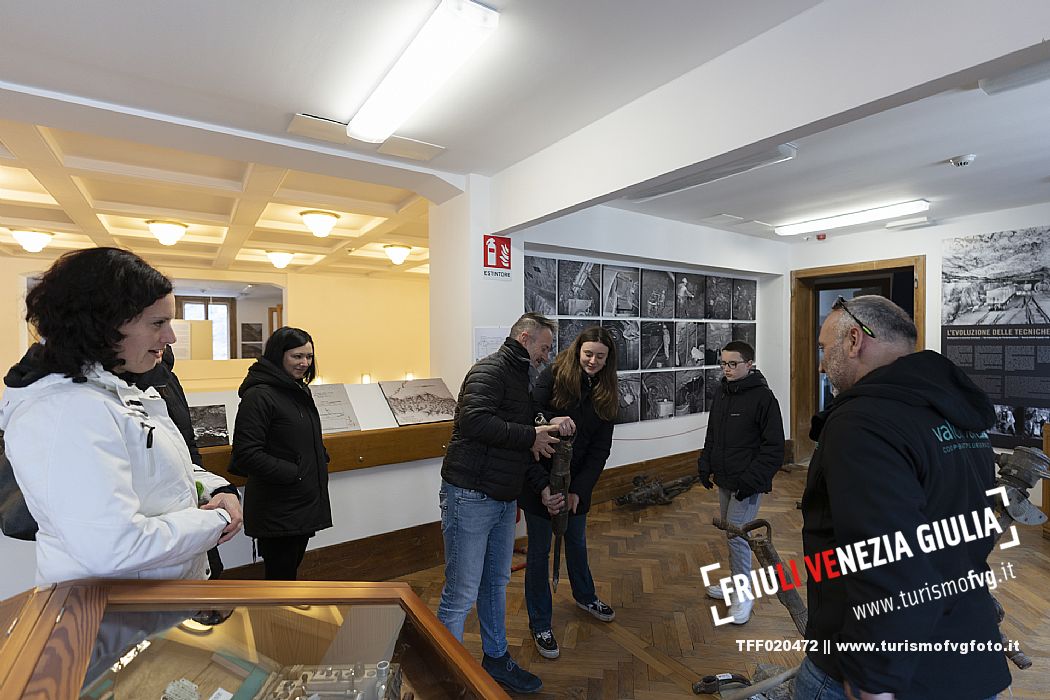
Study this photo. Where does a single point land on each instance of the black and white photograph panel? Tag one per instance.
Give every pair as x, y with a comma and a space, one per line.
418, 401
541, 284
657, 294
1034, 419
627, 337
746, 332
657, 395
718, 336
579, 288
719, 297
689, 294
1006, 422
657, 344
690, 339
689, 392
209, 425
619, 291
1000, 278
745, 294
569, 328
630, 400
712, 385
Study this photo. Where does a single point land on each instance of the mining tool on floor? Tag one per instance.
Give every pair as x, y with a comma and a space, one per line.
648, 492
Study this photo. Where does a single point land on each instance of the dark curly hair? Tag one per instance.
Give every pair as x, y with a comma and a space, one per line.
288, 338
81, 302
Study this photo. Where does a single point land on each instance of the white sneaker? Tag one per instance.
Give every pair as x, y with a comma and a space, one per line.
741, 611
715, 592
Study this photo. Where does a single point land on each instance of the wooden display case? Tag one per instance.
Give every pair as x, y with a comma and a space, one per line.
231, 640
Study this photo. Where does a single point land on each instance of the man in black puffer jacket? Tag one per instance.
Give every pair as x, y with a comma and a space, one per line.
743, 450
493, 437
903, 446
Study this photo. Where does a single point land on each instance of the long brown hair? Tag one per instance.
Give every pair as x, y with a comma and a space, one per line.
568, 375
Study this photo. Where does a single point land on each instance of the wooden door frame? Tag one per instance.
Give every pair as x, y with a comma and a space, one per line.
804, 334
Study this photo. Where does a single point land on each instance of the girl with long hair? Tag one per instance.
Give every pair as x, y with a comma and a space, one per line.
580, 383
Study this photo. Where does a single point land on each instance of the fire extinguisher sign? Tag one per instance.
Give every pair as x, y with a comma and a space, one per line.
496, 257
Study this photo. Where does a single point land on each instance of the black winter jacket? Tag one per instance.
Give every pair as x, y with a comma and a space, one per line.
494, 425
744, 446
590, 448
277, 445
905, 446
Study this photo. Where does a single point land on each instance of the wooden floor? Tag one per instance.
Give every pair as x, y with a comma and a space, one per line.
646, 565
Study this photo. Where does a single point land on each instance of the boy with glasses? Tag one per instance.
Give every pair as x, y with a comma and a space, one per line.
743, 450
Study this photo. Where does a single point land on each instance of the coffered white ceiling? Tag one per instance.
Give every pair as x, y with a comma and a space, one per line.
91, 190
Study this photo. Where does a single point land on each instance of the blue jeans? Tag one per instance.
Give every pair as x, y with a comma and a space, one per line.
479, 541
738, 513
813, 684
537, 587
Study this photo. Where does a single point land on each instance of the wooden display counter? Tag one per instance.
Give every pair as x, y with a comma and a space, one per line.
245, 640
359, 449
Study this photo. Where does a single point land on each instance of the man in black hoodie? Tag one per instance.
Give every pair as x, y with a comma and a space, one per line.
902, 447
743, 450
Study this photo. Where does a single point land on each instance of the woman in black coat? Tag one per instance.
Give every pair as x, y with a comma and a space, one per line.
277, 445
581, 383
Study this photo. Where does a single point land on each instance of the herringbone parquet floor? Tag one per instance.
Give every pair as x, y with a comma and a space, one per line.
646, 565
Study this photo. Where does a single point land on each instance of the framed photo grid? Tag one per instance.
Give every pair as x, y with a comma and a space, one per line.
668, 326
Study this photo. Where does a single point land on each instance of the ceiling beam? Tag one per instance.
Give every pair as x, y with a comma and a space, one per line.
260, 184
38, 153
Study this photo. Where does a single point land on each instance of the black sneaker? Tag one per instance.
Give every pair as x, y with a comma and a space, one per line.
509, 674
599, 609
546, 644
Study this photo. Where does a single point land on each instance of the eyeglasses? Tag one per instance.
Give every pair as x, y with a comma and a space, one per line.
731, 364
840, 303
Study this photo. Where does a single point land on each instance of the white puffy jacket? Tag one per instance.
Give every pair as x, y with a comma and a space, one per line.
109, 480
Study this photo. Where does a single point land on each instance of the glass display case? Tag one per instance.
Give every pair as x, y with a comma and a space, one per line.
231, 640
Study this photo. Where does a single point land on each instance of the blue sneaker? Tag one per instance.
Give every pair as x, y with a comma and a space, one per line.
510, 675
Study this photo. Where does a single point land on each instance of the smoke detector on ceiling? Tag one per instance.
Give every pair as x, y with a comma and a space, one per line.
963, 161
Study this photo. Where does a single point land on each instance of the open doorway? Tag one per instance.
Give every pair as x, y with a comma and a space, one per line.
813, 293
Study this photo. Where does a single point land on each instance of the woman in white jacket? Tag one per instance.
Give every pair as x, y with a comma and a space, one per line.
103, 468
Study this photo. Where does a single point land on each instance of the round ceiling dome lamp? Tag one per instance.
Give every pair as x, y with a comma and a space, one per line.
167, 232
280, 260
32, 241
397, 252
320, 223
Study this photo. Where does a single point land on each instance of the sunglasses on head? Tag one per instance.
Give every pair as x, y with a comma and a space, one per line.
840, 303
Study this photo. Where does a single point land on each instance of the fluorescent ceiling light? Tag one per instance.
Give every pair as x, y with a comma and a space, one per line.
778, 154
1028, 75
397, 253
455, 30
280, 260
32, 241
167, 232
853, 218
320, 223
